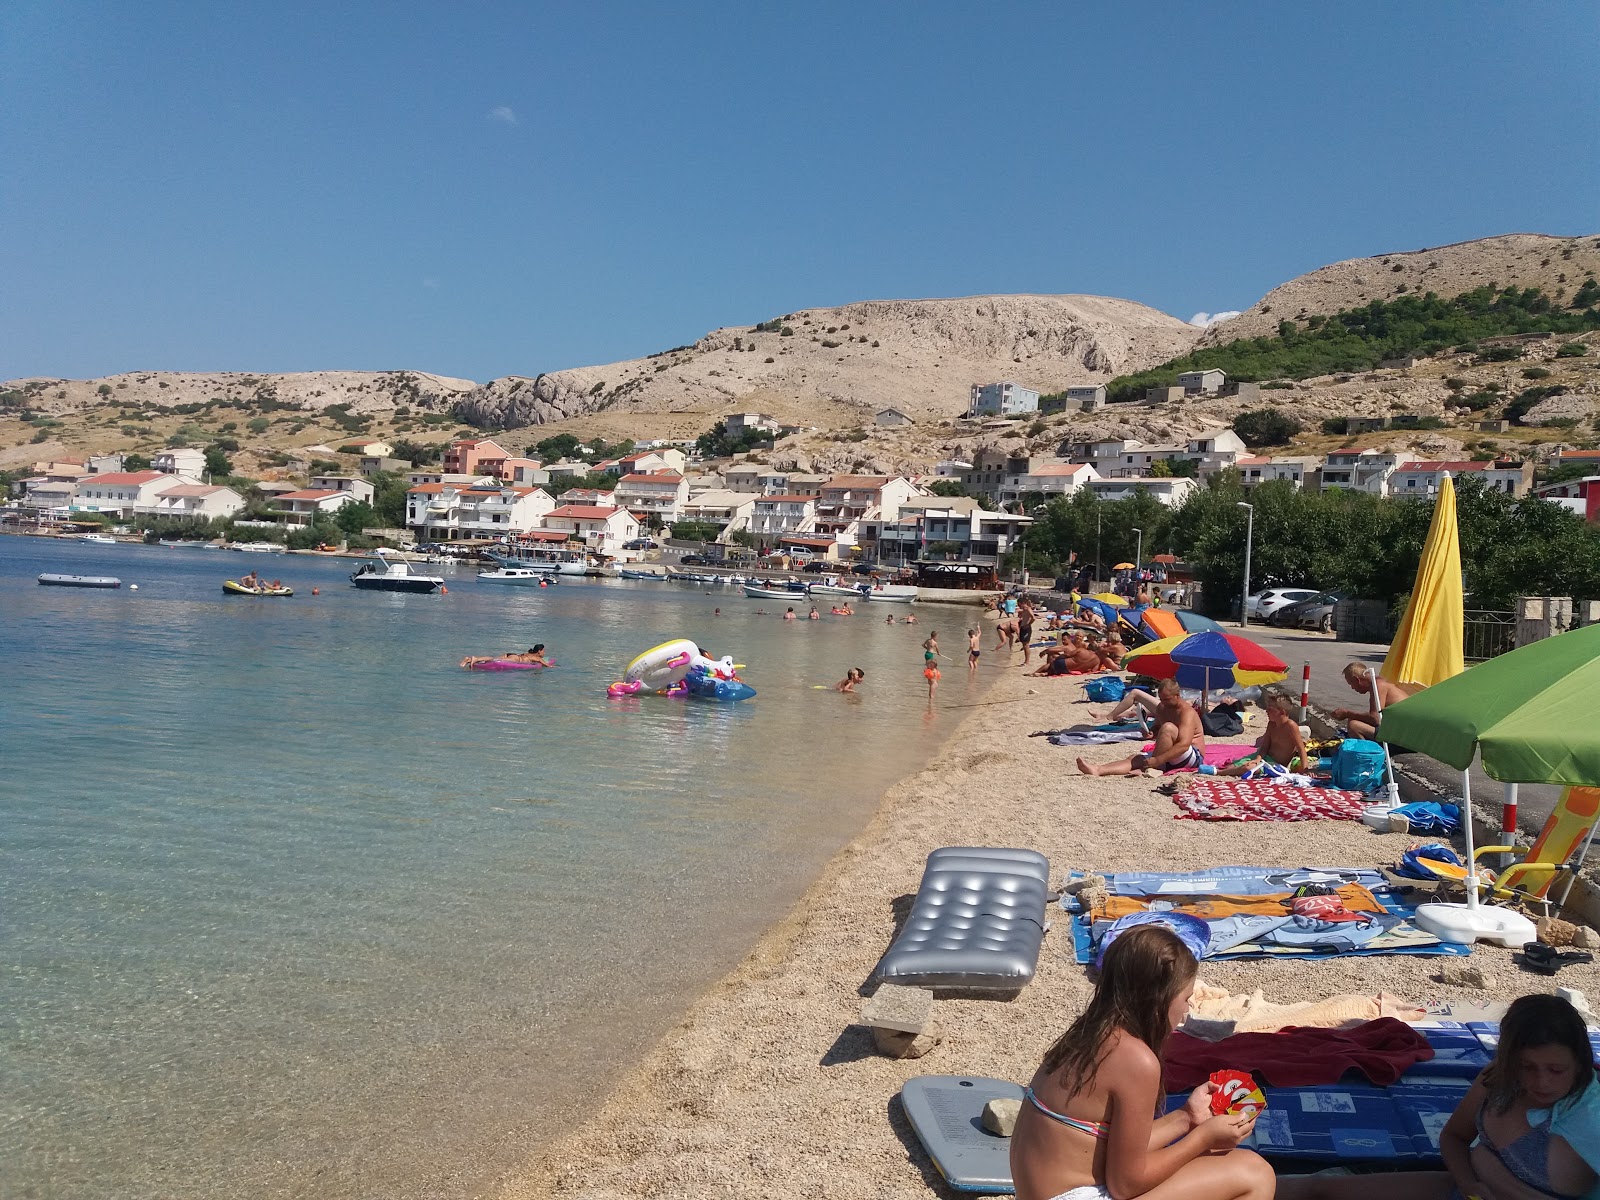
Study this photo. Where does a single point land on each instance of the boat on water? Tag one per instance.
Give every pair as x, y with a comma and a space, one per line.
840, 589
258, 547
691, 577
232, 587
556, 560
392, 575
192, 544
892, 593
525, 576
760, 592
87, 581
629, 573
99, 539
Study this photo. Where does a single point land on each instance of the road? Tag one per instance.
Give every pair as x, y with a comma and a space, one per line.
1329, 691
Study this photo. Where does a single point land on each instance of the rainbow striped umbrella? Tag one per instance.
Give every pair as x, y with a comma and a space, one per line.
1208, 659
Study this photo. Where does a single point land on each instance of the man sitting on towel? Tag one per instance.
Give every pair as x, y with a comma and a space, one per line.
1363, 722
1180, 741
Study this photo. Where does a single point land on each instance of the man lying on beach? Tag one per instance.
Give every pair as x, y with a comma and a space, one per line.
1281, 745
1179, 740
1364, 722
1071, 655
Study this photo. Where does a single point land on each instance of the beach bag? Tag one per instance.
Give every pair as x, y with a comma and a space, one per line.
1108, 689
1431, 860
1358, 765
1222, 721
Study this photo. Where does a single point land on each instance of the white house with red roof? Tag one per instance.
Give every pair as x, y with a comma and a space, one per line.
592, 497
1424, 478
650, 461
846, 499
602, 528
1363, 469
659, 495
1297, 470
1051, 478
302, 507
124, 492
446, 512
773, 517
203, 500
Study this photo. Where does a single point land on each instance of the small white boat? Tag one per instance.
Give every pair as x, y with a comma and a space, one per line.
98, 539
757, 592
893, 593
525, 576
837, 589
392, 575
258, 547
629, 573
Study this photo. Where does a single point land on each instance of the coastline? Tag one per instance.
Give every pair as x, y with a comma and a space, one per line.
768, 1087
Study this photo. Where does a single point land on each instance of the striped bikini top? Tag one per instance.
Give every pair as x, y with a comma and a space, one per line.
1095, 1129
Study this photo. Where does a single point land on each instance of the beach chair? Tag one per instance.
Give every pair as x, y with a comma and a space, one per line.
1550, 858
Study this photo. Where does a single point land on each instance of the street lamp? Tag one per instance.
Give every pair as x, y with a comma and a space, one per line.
1138, 551
1097, 575
1249, 536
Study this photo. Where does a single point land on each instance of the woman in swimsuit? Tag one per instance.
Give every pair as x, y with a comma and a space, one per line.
1504, 1141
1089, 1128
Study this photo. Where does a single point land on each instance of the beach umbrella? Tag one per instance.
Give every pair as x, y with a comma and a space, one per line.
1206, 660
1110, 598
1124, 567
1428, 647
1193, 622
1526, 714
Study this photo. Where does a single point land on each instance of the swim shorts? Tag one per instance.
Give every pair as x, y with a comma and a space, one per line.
1191, 759
1025, 633
973, 655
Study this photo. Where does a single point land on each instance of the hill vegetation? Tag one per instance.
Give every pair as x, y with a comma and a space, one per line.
1358, 339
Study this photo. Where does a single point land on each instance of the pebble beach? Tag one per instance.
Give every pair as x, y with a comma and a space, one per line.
769, 1087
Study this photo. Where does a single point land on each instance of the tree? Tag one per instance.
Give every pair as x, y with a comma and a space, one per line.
257, 425
388, 499
217, 464
135, 462
1265, 427
353, 518
556, 446
947, 487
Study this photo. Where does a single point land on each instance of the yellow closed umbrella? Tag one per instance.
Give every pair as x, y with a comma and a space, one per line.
1428, 648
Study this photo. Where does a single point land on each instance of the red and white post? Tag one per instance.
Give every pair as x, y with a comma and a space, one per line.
1305, 690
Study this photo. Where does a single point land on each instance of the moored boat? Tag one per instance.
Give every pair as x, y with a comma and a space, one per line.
839, 589
392, 575
525, 576
892, 593
99, 539
258, 547
83, 581
757, 592
629, 573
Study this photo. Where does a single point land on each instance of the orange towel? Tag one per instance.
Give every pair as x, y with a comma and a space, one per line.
1356, 899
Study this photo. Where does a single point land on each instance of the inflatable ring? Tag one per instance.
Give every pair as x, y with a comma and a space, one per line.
662, 666
624, 689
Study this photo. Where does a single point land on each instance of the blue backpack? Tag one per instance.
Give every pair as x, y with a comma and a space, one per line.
1106, 690
1358, 765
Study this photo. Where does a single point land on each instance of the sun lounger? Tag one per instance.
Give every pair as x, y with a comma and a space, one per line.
977, 921
946, 1114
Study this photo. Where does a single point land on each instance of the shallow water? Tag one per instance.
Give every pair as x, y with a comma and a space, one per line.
294, 906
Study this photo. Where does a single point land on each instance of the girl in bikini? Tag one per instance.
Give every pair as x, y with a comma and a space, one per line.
1504, 1141
1089, 1126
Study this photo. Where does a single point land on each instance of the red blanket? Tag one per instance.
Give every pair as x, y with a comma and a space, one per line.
1237, 800
1382, 1050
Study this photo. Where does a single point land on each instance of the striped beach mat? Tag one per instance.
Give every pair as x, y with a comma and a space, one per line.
1242, 800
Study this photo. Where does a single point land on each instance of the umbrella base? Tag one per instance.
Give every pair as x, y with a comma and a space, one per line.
1464, 924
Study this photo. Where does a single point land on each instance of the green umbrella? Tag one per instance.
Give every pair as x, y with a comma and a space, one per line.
1530, 713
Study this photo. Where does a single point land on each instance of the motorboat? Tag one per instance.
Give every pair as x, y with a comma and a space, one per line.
892, 593
630, 573
692, 577
525, 576
393, 575
84, 581
258, 547
830, 588
231, 587
99, 539
758, 592
553, 560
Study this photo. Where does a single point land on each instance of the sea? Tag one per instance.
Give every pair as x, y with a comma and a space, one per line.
292, 905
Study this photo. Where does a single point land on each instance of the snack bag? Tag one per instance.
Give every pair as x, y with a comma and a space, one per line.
1236, 1093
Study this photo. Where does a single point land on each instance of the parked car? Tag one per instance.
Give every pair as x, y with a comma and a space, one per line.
818, 567
639, 544
695, 560
1315, 613
1262, 605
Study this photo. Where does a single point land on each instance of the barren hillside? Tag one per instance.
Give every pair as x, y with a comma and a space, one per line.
1557, 265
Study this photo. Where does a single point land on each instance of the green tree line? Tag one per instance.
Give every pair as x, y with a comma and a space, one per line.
1366, 545
1358, 339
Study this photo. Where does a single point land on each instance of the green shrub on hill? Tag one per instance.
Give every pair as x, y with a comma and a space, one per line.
1358, 339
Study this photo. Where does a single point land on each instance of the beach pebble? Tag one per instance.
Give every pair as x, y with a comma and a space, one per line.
1000, 1115
1462, 976
1554, 931
898, 1008
907, 1045
1586, 938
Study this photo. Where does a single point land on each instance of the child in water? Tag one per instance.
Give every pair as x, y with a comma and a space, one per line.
930, 664
1088, 1128
973, 650
1530, 1125
851, 677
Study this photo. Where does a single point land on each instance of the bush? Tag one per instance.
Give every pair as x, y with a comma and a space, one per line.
258, 424
1338, 426
1572, 350
104, 389
1265, 427
1496, 354
1478, 401
1535, 373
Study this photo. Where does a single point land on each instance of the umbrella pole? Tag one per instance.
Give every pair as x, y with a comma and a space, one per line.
1466, 821
1583, 856
1388, 759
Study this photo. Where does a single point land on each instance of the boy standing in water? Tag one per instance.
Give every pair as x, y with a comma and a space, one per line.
930, 665
973, 649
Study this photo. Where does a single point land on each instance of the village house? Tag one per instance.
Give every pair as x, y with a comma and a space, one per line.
1298, 471
202, 500
959, 532
1580, 496
657, 497
730, 512
524, 472
649, 461
361, 489
891, 417
1004, 399
1171, 490
740, 423
604, 530
774, 516
474, 457
1048, 477
743, 477
124, 493
444, 512
846, 499
591, 497
1202, 383
1086, 399
183, 460
1362, 469
1214, 450
1416, 479
304, 506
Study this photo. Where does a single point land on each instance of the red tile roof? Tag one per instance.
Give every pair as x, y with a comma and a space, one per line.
312, 494
584, 511
857, 481
193, 489
130, 478
1411, 468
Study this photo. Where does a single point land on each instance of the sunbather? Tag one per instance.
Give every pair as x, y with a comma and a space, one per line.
1281, 744
1493, 1146
1364, 722
1135, 701
1088, 1129
1179, 740
1071, 655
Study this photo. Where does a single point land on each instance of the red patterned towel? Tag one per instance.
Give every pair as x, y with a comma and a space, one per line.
1237, 800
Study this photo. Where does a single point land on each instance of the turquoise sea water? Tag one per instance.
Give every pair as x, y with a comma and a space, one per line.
293, 906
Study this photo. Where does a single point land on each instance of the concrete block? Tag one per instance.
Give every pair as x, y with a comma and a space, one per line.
898, 1008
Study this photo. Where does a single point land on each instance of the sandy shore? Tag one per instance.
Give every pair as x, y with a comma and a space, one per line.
768, 1088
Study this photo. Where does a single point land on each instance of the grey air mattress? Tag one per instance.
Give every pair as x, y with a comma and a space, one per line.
977, 921
946, 1113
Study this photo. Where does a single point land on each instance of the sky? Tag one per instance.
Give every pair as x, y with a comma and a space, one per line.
488, 189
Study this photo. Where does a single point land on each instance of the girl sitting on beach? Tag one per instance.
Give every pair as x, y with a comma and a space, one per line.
1089, 1128
1530, 1126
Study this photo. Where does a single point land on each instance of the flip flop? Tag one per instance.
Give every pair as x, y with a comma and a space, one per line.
1544, 959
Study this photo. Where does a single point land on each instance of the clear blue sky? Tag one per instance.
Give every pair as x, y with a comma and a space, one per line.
485, 189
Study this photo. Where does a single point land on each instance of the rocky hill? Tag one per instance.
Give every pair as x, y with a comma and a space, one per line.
1556, 265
